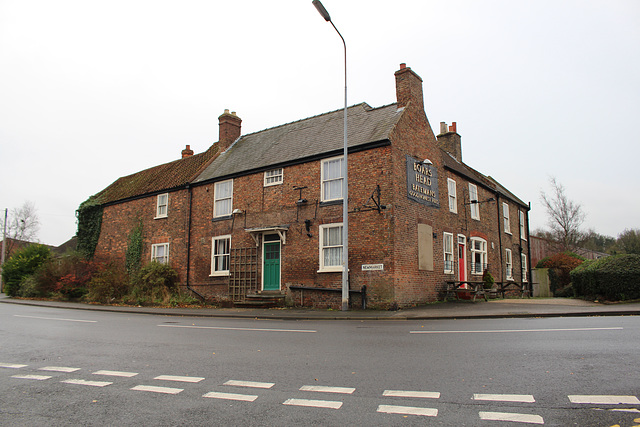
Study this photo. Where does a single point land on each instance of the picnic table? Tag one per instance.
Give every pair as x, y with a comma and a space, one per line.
469, 287
520, 287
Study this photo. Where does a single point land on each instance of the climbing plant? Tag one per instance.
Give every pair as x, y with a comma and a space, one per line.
133, 256
89, 216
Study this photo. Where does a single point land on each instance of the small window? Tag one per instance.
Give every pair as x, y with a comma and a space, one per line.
160, 253
523, 266
273, 177
505, 215
332, 179
162, 205
453, 202
331, 247
508, 263
448, 253
478, 255
223, 198
523, 233
473, 202
220, 255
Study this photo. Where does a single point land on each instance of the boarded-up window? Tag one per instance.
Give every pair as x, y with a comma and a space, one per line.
425, 247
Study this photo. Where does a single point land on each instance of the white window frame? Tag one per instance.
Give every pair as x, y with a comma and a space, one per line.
508, 262
449, 261
323, 247
505, 218
523, 234
523, 267
483, 255
273, 177
474, 207
218, 199
162, 259
162, 205
221, 255
325, 181
453, 198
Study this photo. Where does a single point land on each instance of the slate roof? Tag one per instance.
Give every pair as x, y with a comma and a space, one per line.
462, 169
304, 139
156, 179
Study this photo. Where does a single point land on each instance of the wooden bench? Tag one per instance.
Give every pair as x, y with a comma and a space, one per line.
465, 287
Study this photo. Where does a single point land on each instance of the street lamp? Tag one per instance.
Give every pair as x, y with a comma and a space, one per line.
345, 171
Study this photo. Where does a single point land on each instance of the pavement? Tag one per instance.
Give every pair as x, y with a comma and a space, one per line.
494, 308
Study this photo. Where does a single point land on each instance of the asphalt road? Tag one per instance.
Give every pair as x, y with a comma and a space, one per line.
67, 367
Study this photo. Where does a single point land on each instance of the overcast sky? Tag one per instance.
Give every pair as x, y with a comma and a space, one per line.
94, 90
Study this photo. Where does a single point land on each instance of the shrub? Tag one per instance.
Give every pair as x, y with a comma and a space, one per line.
108, 284
23, 263
66, 277
613, 278
155, 283
488, 280
560, 265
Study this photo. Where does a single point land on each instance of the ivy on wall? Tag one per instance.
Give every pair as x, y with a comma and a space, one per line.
89, 216
133, 256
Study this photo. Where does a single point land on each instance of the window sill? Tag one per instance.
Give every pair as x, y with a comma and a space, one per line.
331, 270
509, 233
220, 274
162, 217
222, 218
331, 202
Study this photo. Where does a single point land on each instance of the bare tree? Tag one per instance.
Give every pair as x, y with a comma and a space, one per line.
629, 241
23, 225
565, 217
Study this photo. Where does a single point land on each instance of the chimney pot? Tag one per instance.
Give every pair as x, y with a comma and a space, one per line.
443, 127
187, 152
452, 128
403, 66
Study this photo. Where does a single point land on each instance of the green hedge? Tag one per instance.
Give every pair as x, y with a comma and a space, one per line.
22, 264
613, 278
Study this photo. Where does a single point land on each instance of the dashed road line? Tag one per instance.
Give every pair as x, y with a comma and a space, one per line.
252, 384
489, 331
56, 318
116, 373
59, 369
418, 394
153, 389
231, 396
179, 378
89, 383
603, 399
32, 377
314, 403
325, 389
515, 418
408, 410
523, 398
238, 329
12, 365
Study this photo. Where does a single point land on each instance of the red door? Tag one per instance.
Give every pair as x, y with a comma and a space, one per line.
462, 259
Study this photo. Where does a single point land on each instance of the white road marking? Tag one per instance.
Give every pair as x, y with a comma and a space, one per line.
116, 373
252, 384
518, 330
632, 410
325, 389
524, 398
419, 394
91, 383
178, 378
59, 369
238, 329
231, 396
408, 410
314, 403
12, 365
514, 418
32, 377
166, 390
604, 399
56, 318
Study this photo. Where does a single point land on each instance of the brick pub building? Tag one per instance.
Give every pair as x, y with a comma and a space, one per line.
261, 214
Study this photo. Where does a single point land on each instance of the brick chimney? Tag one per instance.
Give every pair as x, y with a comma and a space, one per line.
229, 129
408, 88
450, 141
187, 152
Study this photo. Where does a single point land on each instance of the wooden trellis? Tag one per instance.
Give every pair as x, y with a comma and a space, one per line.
243, 273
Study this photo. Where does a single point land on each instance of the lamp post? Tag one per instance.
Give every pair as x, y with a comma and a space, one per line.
345, 172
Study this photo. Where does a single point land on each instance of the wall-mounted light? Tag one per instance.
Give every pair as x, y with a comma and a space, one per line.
237, 212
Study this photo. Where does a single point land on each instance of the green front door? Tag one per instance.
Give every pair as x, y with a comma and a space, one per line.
271, 271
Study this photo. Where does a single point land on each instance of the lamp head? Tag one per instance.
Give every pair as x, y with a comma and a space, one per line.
427, 162
323, 12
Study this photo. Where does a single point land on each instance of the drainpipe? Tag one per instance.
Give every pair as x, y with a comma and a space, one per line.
189, 192
500, 227
529, 254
